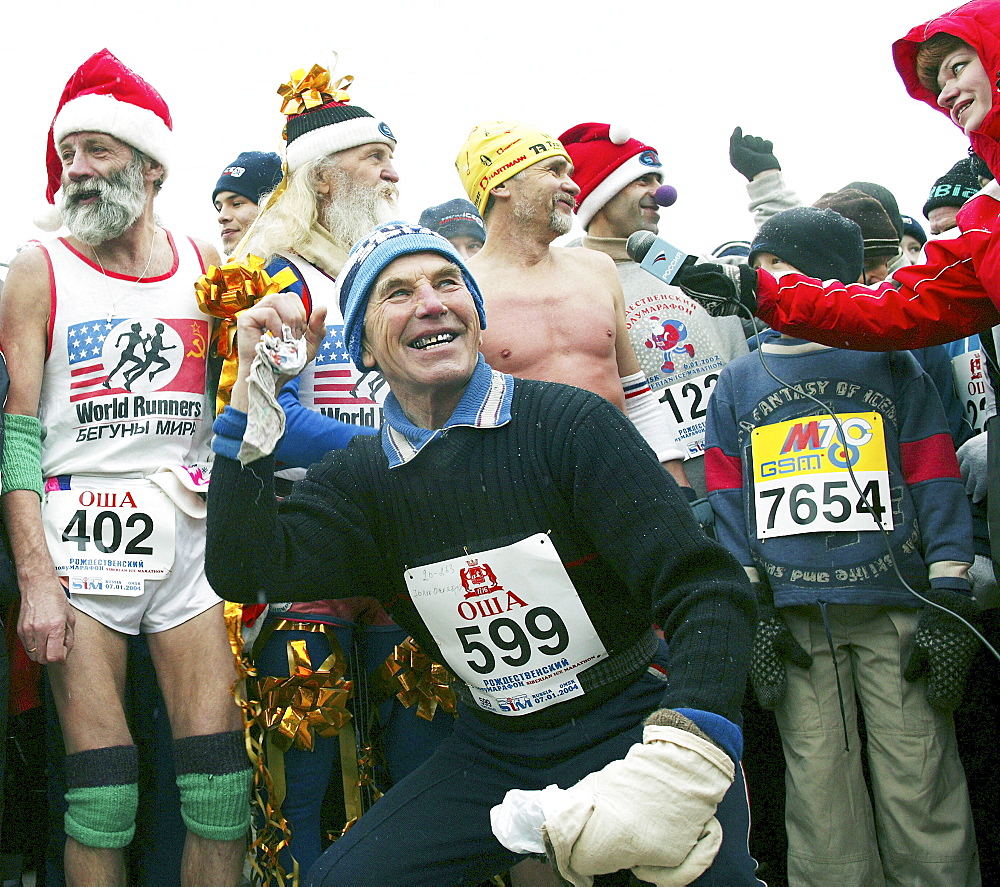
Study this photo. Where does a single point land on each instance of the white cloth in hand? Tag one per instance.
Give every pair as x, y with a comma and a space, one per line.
972, 462
265, 419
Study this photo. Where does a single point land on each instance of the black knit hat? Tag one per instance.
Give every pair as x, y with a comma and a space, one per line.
880, 237
253, 174
456, 218
912, 227
320, 120
954, 187
820, 243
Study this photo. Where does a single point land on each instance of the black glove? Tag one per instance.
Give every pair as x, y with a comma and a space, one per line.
704, 515
719, 289
773, 646
750, 155
943, 648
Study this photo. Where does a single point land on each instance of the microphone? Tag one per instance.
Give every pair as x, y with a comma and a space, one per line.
656, 256
666, 195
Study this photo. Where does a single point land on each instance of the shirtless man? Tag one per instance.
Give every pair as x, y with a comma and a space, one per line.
556, 314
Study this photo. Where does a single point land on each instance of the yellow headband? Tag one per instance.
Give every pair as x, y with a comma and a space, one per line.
495, 151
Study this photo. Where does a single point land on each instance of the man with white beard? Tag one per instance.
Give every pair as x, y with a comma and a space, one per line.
340, 184
117, 546
556, 314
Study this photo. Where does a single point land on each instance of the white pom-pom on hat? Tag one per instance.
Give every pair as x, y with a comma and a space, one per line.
48, 219
619, 134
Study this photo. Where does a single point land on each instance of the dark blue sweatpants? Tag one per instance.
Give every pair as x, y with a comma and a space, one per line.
433, 828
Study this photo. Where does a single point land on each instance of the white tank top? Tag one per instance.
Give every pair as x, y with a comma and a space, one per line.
123, 390
331, 384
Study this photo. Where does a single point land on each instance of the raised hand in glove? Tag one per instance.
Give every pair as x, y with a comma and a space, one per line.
773, 646
719, 289
943, 648
750, 155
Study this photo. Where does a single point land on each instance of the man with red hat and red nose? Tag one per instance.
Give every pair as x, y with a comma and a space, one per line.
680, 347
557, 314
101, 479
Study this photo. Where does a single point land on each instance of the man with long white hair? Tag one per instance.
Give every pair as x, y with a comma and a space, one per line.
339, 184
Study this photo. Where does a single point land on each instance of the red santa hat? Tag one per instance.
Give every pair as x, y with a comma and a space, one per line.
605, 160
103, 95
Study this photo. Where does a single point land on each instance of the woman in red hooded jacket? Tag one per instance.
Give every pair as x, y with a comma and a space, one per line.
957, 291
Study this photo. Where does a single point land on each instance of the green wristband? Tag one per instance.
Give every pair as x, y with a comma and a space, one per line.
21, 468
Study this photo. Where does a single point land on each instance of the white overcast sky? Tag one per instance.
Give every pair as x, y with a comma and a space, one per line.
818, 82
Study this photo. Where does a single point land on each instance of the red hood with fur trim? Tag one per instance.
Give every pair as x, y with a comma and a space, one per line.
978, 24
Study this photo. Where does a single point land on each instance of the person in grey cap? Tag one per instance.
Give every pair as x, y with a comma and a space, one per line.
239, 191
459, 221
527, 537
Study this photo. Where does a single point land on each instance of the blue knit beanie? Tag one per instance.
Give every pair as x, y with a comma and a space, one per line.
820, 243
370, 257
252, 175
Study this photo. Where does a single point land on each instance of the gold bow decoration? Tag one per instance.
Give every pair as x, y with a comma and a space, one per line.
227, 290
306, 90
309, 703
425, 683
233, 616
315, 708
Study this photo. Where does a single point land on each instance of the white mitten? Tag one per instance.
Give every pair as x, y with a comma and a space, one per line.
973, 464
652, 812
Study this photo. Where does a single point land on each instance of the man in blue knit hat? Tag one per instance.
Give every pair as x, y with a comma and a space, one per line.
527, 537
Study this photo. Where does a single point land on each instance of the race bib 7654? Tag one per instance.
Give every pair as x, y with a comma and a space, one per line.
802, 475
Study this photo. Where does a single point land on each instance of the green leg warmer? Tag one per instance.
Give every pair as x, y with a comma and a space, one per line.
216, 806
102, 796
214, 778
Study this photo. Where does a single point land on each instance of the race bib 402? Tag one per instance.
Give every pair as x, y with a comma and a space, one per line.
110, 541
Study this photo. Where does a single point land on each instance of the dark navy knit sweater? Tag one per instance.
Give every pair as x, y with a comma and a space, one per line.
568, 464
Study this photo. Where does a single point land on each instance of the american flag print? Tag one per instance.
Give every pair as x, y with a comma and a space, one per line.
336, 381
136, 356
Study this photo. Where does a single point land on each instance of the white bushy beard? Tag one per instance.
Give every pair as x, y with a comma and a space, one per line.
355, 209
122, 198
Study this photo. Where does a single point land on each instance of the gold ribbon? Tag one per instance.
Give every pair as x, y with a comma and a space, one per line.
224, 292
310, 702
272, 833
233, 616
310, 89
227, 290
424, 682
270, 732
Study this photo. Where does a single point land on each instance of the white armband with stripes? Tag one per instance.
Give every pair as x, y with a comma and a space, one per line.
649, 417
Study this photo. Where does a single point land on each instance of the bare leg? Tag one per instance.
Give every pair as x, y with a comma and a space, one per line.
88, 689
196, 655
